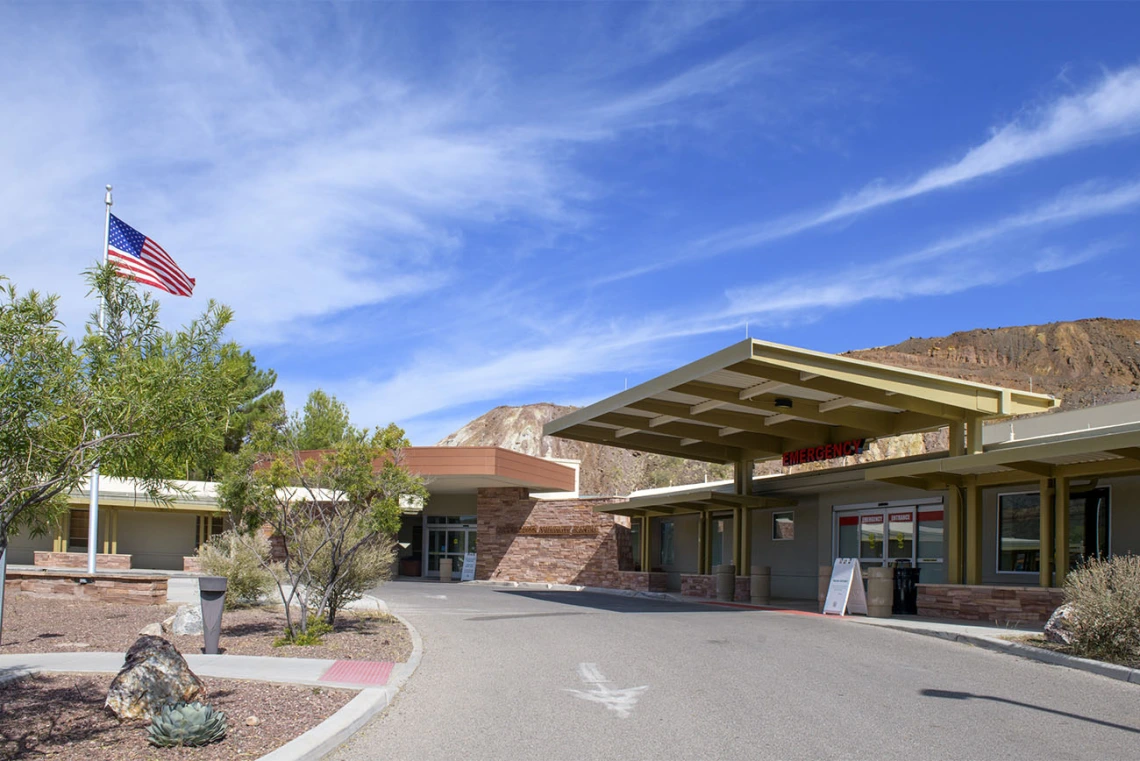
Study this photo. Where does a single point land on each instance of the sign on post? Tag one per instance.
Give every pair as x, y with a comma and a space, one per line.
468, 573
845, 592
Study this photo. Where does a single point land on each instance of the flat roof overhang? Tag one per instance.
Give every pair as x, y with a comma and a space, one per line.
452, 470
734, 405
695, 501
1096, 452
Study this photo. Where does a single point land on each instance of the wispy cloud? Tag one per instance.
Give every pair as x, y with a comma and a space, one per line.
950, 265
1105, 111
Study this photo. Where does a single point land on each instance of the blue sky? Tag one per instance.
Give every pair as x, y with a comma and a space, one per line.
431, 209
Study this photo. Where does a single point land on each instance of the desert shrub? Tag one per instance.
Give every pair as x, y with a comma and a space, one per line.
313, 634
329, 589
243, 560
1105, 595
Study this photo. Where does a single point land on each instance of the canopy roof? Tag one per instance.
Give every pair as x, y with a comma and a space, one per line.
757, 400
694, 499
1113, 450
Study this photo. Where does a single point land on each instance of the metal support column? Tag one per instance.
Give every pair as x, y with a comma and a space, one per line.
973, 531
1061, 524
645, 542
1045, 532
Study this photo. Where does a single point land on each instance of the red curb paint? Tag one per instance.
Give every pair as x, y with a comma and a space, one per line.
746, 606
358, 672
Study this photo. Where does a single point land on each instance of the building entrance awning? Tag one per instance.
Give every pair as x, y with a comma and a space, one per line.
679, 503
1091, 453
757, 400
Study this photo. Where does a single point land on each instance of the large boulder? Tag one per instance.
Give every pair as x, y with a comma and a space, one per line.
155, 674
1059, 627
187, 620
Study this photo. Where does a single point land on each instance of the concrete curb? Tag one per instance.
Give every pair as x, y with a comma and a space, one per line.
1110, 670
338, 728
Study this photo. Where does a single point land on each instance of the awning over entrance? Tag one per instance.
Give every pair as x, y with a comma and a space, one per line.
756, 400
676, 503
1081, 454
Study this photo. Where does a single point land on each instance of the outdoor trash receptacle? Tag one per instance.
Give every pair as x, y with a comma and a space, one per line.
445, 569
725, 582
906, 591
212, 590
879, 583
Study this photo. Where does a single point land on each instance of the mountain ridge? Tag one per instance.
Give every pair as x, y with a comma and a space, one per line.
1084, 362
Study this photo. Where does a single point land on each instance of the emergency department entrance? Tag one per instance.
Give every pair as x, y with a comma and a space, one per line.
906, 533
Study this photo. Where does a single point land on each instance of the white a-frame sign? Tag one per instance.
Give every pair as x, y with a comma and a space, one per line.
845, 592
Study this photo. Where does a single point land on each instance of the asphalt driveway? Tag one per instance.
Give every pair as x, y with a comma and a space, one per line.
512, 674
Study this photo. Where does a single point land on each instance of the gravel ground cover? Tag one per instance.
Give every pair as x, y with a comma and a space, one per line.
55, 625
61, 716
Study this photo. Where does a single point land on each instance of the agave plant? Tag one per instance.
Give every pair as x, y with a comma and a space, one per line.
191, 724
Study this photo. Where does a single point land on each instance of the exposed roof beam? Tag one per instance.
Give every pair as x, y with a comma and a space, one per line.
653, 443
623, 432
777, 419
928, 407
1128, 453
1042, 469
873, 422
797, 434
728, 431
689, 442
808, 376
703, 407
766, 387
682, 430
837, 404
661, 420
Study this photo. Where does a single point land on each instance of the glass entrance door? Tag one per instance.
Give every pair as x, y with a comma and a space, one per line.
908, 534
451, 541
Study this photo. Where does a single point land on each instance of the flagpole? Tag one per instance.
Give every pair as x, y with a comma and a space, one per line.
93, 512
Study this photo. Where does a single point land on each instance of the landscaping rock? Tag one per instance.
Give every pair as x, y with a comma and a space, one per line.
155, 674
187, 620
151, 630
167, 623
1059, 628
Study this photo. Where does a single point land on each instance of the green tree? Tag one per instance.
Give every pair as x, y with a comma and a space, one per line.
260, 404
323, 422
330, 508
133, 399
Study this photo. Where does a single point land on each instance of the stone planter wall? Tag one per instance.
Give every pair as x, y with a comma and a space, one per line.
103, 561
1001, 605
704, 586
191, 564
140, 589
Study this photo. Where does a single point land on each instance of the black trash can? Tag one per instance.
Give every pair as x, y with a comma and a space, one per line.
906, 591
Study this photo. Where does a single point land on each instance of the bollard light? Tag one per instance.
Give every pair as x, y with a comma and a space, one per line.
212, 590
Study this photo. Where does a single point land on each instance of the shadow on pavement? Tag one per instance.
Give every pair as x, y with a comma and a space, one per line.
619, 603
524, 615
952, 695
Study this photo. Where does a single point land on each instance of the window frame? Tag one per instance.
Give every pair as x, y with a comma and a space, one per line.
775, 517
1084, 489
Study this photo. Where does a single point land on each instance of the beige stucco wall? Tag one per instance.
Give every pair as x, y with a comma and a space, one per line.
450, 504
793, 561
22, 546
156, 539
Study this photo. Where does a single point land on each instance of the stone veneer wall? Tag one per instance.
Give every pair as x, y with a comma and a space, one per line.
558, 542
103, 561
984, 603
134, 589
704, 585
191, 564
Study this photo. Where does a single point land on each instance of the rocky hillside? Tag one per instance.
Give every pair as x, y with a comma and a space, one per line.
1086, 362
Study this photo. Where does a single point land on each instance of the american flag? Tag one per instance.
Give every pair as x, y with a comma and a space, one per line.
137, 257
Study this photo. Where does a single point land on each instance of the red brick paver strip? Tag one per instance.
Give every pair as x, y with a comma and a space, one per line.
358, 672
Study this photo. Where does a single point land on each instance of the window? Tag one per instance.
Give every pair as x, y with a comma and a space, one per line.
783, 526
1019, 526
666, 543
207, 527
77, 533
1019, 542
